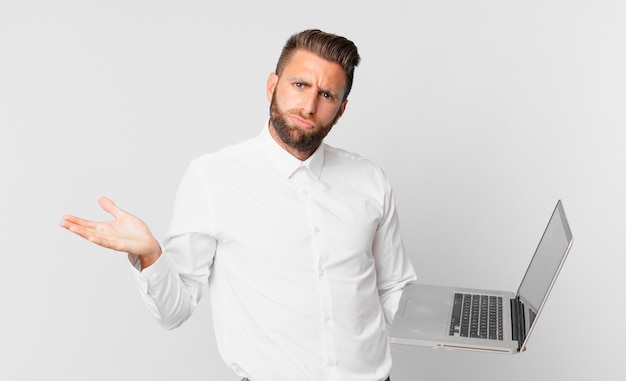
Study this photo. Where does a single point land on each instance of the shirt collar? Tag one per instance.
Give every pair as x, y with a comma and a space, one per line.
284, 162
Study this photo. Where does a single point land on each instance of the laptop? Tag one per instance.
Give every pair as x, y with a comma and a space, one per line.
484, 320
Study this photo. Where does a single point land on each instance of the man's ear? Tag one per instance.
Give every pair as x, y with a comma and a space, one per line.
272, 81
342, 108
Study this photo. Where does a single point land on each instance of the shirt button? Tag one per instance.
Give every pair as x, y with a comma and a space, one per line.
327, 319
322, 273
331, 362
316, 228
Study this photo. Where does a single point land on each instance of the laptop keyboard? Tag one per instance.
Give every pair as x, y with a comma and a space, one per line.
477, 316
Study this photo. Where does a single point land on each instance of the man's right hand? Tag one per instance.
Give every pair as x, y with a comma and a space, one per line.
125, 233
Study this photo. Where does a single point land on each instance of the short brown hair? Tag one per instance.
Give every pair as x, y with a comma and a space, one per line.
326, 45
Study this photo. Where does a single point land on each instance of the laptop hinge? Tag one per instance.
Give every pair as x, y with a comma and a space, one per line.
518, 320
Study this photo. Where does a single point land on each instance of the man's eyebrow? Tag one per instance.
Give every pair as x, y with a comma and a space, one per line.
295, 79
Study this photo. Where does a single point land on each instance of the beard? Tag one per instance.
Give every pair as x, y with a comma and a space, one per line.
293, 136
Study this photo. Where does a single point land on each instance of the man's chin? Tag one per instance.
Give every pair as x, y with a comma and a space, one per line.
301, 140
304, 142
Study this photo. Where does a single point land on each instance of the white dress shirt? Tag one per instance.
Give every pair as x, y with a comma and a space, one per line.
304, 261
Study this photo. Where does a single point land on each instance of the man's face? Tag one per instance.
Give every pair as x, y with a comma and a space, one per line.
306, 102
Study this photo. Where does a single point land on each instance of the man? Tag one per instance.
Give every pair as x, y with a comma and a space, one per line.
298, 241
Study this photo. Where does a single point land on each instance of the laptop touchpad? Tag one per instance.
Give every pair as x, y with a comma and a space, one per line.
415, 310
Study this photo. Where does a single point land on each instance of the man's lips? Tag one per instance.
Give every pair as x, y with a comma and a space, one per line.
302, 123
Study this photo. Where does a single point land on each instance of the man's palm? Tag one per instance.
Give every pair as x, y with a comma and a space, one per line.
125, 233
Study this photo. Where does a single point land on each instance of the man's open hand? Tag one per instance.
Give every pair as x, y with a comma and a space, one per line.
125, 233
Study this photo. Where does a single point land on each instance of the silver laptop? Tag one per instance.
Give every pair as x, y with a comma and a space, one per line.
494, 321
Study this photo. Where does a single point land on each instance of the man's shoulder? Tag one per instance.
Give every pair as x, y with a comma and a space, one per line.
341, 156
242, 150
353, 164
355, 169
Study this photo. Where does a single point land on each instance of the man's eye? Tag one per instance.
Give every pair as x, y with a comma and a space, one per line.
327, 95
298, 85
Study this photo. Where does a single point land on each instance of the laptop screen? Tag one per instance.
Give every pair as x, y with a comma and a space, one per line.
547, 261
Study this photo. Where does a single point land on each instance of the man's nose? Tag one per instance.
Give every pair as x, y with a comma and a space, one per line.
309, 103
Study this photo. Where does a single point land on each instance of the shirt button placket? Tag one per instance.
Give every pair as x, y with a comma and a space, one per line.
319, 249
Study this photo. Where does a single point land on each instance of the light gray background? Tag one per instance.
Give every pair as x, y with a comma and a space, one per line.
482, 114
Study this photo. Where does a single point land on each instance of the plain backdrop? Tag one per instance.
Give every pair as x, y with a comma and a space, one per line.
482, 114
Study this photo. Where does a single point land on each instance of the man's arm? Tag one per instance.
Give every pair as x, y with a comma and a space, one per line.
171, 295
126, 233
393, 266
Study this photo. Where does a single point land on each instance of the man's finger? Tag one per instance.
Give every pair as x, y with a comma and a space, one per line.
109, 206
70, 220
80, 230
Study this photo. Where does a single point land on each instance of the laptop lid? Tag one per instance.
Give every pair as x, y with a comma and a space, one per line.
543, 270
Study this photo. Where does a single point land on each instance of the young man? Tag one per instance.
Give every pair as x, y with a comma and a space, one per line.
298, 241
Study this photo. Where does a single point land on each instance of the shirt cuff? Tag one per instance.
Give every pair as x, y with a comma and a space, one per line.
136, 262
156, 270
160, 268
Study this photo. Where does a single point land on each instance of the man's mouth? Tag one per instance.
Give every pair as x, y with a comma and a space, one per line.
302, 123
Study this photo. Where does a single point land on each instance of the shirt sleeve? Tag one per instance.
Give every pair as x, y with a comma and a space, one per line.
172, 286
393, 267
